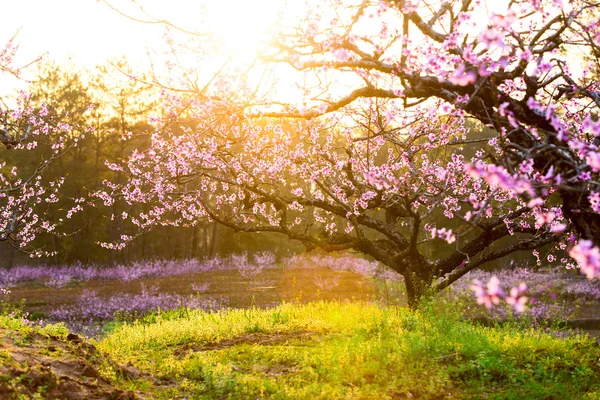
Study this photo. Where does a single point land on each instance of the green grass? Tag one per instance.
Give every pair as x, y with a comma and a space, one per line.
16, 325
350, 350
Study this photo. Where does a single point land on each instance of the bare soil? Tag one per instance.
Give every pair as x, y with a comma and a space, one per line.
53, 368
262, 339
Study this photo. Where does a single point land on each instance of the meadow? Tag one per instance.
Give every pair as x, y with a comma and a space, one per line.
307, 327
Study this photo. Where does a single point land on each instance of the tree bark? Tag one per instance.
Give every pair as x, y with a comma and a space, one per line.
215, 239
205, 240
418, 279
193, 250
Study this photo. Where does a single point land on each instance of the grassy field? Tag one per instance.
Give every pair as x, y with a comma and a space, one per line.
318, 330
320, 350
331, 350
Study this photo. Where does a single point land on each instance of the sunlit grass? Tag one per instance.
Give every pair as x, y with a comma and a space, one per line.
351, 350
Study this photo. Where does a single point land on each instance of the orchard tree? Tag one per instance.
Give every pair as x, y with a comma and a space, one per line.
434, 137
32, 138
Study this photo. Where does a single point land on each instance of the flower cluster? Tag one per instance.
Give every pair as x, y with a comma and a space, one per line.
59, 276
249, 269
343, 262
91, 309
588, 258
491, 294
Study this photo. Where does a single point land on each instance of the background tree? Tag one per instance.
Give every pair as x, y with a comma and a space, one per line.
32, 140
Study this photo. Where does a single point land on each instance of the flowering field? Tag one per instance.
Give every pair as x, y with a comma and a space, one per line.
552, 293
89, 299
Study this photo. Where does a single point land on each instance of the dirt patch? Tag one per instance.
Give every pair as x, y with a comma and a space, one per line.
263, 339
35, 364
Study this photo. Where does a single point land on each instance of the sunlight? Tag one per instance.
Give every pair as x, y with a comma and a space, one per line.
241, 27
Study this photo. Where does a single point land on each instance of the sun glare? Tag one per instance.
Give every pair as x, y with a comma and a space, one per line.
241, 27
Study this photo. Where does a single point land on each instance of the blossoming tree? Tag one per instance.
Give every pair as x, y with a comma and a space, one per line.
31, 139
433, 136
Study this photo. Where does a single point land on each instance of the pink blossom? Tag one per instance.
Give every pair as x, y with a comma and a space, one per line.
517, 299
461, 77
557, 227
593, 160
588, 258
492, 37
594, 199
491, 294
489, 297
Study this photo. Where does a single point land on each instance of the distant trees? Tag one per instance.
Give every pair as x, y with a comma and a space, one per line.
434, 138
56, 141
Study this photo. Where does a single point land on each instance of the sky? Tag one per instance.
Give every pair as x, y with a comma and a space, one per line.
88, 32
85, 32
84, 29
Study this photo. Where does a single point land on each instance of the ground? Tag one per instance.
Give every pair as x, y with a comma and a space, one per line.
55, 367
291, 333
319, 350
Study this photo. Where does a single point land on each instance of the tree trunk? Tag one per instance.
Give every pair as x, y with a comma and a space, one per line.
143, 244
205, 239
215, 240
193, 251
7, 253
418, 279
55, 249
